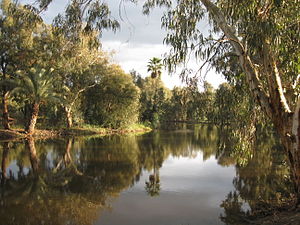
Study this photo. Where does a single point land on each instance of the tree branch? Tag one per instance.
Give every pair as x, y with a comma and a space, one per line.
245, 61
79, 92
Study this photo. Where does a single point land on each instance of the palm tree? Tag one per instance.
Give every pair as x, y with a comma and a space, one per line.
155, 67
37, 86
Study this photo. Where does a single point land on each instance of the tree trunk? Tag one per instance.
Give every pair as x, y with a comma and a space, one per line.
5, 115
275, 106
33, 119
68, 111
291, 144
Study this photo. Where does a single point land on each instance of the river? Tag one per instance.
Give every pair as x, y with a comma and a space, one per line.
180, 177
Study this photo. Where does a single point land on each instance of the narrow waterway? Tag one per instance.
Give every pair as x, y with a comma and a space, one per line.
181, 177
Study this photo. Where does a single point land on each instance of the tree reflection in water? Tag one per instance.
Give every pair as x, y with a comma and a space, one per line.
261, 182
156, 155
43, 195
5, 147
70, 181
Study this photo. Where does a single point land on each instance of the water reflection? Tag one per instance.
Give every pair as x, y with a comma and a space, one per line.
260, 184
72, 181
5, 150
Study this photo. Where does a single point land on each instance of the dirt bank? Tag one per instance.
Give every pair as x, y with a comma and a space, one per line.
280, 218
11, 134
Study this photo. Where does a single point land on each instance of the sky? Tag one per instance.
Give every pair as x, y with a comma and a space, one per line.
139, 39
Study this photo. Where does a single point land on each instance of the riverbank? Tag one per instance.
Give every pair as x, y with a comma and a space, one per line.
65, 132
284, 213
289, 217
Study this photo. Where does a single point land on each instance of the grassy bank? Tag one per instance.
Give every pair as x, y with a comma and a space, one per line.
75, 131
94, 130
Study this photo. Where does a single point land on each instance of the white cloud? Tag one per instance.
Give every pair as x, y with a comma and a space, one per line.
139, 39
136, 56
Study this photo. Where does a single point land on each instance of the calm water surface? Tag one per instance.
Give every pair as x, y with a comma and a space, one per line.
180, 177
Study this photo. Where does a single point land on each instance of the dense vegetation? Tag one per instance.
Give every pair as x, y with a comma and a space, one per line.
55, 77
51, 74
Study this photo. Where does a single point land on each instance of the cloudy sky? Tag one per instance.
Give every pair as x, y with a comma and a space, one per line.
139, 39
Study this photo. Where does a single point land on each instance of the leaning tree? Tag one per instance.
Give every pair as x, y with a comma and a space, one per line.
263, 37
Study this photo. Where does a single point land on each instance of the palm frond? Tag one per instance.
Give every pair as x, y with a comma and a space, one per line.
37, 84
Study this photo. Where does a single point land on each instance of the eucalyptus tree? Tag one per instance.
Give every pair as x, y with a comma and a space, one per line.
80, 69
82, 59
82, 15
225, 105
264, 38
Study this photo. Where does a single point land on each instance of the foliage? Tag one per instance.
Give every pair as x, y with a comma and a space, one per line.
37, 85
155, 66
154, 96
82, 16
81, 68
70, 46
17, 26
114, 102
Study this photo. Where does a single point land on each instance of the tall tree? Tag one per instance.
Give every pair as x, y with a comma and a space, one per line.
264, 38
17, 24
155, 66
81, 25
81, 68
